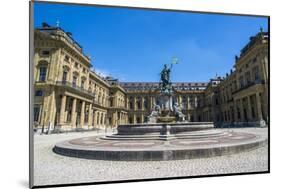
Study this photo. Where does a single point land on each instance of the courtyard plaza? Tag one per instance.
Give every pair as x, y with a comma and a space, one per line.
51, 168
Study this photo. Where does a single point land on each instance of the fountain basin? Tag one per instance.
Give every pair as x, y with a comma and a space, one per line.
197, 144
166, 119
159, 128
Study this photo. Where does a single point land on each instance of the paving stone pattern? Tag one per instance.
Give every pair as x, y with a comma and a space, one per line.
51, 168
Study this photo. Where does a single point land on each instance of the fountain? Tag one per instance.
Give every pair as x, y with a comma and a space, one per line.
167, 135
166, 111
166, 115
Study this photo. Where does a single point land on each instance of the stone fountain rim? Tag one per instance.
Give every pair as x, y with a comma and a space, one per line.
171, 124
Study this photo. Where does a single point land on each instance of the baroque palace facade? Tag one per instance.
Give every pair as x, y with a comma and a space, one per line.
69, 95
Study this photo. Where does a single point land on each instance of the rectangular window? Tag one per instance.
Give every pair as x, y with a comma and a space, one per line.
66, 58
234, 85
39, 93
256, 73
82, 84
74, 81
45, 53
217, 101
248, 78
36, 113
76, 65
130, 120
241, 82
64, 76
42, 74
238, 113
254, 60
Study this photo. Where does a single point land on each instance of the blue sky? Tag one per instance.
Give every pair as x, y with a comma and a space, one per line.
134, 44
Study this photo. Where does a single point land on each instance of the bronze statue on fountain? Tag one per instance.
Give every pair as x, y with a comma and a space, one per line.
166, 111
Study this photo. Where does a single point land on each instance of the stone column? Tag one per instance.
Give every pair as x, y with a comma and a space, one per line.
142, 103
259, 108
180, 100
135, 103
142, 118
73, 113
242, 117
40, 115
66, 110
82, 114
151, 103
114, 119
102, 119
62, 109
69, 76
261, 121
90, 120
188, 103
235, 111
134, 119
265, 68
249, 108
195, 109
96, 119
120, 118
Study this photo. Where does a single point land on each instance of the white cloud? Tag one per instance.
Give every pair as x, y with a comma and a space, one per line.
112, 73
102, 72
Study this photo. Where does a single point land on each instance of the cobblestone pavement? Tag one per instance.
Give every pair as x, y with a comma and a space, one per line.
51, 168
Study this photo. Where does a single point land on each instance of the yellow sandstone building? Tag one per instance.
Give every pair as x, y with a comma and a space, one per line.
69, 95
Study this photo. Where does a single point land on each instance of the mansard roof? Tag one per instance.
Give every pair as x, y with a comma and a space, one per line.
59, 33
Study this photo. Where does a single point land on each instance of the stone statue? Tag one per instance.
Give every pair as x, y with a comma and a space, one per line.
177, 110
154, 114
165, 83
